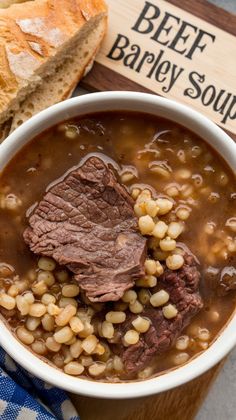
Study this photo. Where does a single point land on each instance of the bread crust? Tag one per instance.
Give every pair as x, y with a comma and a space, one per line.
31, 37
54, 89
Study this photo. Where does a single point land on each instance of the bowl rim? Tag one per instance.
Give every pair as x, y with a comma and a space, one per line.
227, 338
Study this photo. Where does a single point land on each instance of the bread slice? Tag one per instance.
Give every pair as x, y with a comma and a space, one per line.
60, 85
36, 40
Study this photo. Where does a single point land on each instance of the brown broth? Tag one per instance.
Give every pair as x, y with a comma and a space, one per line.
135, 143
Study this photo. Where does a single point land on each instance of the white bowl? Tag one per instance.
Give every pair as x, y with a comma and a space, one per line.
151, 104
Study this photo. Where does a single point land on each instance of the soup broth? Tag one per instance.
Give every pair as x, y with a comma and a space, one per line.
147, 153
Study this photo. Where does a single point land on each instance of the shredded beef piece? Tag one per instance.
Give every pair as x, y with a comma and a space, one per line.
87, 223
182, 286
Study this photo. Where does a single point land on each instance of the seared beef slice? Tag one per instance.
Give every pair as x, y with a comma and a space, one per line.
87, 222
182, 286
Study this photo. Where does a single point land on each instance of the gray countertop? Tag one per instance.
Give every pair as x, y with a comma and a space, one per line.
229, 5
221, 401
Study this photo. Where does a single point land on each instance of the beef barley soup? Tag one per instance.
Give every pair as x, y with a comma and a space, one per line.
117, 246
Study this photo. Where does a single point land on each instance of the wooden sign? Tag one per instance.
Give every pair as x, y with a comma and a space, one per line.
173, 53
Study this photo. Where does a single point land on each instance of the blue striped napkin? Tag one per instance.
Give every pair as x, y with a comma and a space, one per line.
24, 397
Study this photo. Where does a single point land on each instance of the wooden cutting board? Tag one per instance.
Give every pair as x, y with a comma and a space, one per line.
181, 403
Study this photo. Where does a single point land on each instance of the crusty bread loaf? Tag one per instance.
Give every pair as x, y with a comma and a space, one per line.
60, 85
36, 40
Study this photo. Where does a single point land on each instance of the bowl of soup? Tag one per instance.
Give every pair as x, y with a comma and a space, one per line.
118, 248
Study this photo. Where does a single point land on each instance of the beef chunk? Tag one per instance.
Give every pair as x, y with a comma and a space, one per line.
182, 286
87, 223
